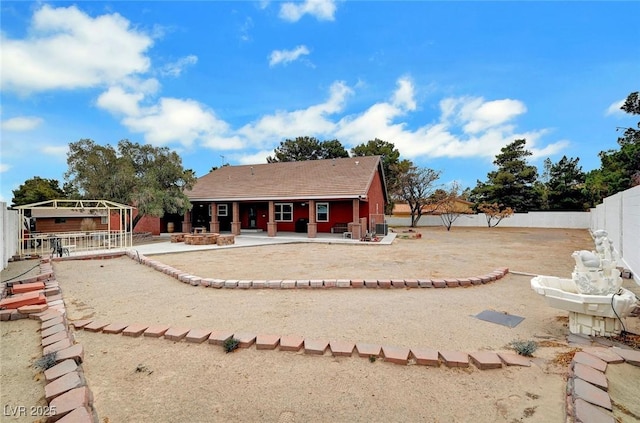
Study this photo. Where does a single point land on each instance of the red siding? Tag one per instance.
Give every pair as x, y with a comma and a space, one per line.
146, 224
71, 224
376, 203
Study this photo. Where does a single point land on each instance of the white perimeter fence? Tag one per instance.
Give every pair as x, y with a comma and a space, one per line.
619, 215
9, 233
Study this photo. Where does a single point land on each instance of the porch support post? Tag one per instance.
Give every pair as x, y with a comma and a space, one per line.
312, 226
356, 228
214, 225
235, 223
272, 226
186, 223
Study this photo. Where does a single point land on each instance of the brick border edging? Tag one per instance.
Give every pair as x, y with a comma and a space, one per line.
483, 360
587, 397
316, 283
66, 391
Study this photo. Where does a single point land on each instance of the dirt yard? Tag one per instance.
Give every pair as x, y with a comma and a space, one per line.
143, 379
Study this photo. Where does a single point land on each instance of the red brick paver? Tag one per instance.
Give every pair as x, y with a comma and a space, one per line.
115, 328
32, 309
368, 350
57, 346
27, 287
315, 346
630, 356
61, 385
454, 358
397, 355
589, 413
176, 333
55, 338
267, 342
95, 326
60, 369
514, 359
291, 343
155, 331
484, 360
591, 393
197, 336
79, 324
341, 348
591, 361
604, 354
591, 375
69, 401
53, 330
52, 322
245, 340
218, 337
138, 329
426, 356
75, 352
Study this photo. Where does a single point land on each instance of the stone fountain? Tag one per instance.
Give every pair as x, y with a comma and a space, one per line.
593, 296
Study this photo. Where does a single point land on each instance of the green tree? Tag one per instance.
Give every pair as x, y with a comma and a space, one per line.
390, 158
512, 184
566, 186
415, 186
307, 148
619, 169
150, 178
37, 189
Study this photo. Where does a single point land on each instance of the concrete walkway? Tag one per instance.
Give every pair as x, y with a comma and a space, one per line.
252, 240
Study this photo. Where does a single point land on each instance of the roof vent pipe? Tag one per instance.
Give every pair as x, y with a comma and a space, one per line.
252, 170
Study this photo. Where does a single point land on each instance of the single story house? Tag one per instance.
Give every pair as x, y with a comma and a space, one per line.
459, 206
333, 195
68, 220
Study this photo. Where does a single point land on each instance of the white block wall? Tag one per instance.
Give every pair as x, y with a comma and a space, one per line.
9, 234
575, 220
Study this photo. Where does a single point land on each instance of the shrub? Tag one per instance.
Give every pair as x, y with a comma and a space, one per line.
46, 362
230, 345
526, 348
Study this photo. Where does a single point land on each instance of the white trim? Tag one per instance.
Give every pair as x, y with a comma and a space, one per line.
327, 212
282, 213
302, 199
220, 209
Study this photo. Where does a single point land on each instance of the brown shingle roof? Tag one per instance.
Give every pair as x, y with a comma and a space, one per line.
313, 179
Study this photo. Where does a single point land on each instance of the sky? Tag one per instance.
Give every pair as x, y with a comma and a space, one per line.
448, 83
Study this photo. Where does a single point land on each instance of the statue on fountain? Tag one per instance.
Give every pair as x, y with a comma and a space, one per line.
596, 272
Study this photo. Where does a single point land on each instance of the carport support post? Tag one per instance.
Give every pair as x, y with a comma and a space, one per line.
356, 228
272, 227
312, 226
214, 225
235, 223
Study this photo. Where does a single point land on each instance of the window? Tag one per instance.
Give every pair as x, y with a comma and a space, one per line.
223, 210
103, 220
60, 220
284, 212
322, 212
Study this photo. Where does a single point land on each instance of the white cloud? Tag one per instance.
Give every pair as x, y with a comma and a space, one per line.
67, 49
286, 56
477, 115
174, 120
57, 151
4, 167
258, 157
117, 101
614, 108
21, 123
287, 124
323, 10
176, 68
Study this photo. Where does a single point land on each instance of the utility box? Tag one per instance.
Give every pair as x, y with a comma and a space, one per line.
382, 229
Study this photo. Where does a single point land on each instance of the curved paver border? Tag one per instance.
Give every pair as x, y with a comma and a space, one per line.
316, 283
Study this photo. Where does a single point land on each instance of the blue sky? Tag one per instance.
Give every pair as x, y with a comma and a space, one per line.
449, 83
